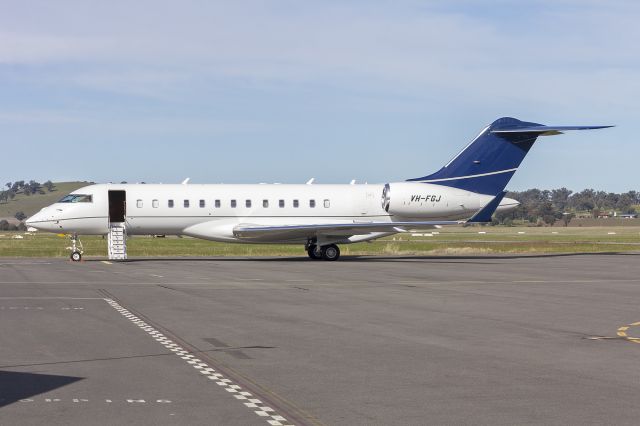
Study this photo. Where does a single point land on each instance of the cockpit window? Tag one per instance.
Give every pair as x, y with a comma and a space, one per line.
77, 198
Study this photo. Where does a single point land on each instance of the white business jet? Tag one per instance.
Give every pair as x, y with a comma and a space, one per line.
468, 189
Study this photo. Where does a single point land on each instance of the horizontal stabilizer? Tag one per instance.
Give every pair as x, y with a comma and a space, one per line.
547, 130
484, 214
487, 163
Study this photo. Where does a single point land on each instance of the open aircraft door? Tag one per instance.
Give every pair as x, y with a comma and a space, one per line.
117, 206
117, 227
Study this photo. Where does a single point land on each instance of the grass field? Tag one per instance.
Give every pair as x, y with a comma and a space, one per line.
29, 204
446, 241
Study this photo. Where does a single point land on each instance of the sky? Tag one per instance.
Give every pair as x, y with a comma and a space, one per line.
282, 91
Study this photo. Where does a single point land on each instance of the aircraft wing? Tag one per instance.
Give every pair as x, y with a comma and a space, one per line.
249, 231
285, 232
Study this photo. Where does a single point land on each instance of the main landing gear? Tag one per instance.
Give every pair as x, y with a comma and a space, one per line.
328, 252
76, 248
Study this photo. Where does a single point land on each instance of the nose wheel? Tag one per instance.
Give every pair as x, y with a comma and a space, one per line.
76, 248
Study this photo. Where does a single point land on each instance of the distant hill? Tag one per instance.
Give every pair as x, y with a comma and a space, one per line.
30, 204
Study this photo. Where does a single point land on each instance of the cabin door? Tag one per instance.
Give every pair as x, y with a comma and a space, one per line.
117, 206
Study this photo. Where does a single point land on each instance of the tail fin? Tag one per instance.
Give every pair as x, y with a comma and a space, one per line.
487, 164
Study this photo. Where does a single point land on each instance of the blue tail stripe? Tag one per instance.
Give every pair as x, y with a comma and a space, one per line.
487, 164
486, 184
487, 154
485, 213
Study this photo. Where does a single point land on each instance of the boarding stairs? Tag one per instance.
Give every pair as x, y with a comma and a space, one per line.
117, 241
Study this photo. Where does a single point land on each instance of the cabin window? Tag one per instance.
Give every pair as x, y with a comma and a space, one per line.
201, 204
154, 204
312, 203
170, 204
281, 203
248, 203
217, 204
327, 204
296, 204
233, 204
265, 203
186, 204
139, 204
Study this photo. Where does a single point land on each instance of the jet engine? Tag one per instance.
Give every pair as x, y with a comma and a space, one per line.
425, 200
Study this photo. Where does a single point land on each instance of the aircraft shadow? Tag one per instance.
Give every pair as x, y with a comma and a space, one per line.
15, 385
369, 258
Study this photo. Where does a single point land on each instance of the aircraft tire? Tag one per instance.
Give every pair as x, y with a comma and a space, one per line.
76, 256
314, 253
330, 252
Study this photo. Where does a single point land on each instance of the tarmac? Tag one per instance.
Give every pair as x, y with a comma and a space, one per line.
501, 340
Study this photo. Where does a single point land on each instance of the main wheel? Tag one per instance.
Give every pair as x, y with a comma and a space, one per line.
330, 252
314, 252
76, 256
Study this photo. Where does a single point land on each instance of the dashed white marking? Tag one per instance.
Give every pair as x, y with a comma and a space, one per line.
260, 408
158, 276
49, 298
39, 308
129, 401
106, 262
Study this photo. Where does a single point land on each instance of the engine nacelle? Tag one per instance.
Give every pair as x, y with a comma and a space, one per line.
426, 200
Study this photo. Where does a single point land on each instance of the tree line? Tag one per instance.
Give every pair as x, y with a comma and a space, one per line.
545, 207
537, 206
26, 188
21, 187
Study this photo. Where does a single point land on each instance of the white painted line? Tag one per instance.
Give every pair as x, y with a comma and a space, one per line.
158, 276
470, 176
52, 298
106, 262
261, 409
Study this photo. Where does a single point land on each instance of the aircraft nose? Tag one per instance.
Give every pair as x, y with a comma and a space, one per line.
41, 220
33, 220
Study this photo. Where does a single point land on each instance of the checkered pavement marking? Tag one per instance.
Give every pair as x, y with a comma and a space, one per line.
247, 398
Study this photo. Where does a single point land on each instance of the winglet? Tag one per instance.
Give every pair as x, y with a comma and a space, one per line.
484, 214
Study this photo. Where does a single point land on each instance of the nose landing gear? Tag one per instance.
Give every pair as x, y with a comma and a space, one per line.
76, 248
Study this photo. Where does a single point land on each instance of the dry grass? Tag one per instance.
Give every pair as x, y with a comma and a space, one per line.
448, 242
